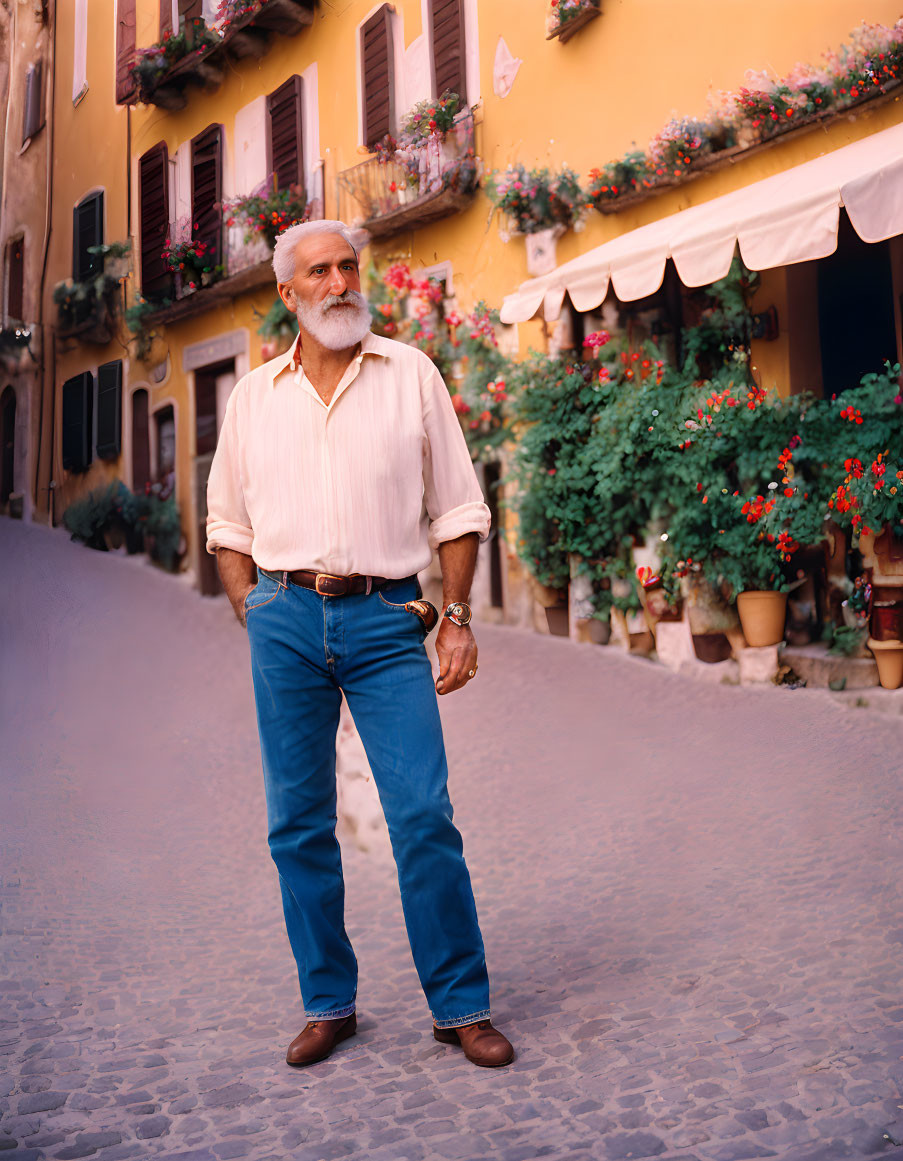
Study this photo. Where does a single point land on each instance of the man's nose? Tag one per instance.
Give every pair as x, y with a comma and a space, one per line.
337, 284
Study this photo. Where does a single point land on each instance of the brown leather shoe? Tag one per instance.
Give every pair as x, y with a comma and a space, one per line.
482, 1043
318, 1038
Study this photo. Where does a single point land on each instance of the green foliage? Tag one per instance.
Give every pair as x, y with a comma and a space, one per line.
148, 518
430, 117
278, 322
138, 318
268, 213
77, 302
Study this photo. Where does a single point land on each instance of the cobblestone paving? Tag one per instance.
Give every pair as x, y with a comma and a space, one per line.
690, 898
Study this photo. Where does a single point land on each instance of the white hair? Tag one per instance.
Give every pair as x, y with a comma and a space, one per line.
287, 243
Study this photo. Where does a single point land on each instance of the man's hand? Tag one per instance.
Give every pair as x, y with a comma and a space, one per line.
238, 574
240, 607
457, 653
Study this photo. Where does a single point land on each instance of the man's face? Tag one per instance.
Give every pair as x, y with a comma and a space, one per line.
324, 265
325, 294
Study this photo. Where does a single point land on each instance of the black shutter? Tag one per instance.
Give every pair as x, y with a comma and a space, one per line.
109, 410
87, 230
285, 134
78, 398
207, 190
378, 66
153, 197
15, 280
125, 50
447, 39
165, 17
34, 100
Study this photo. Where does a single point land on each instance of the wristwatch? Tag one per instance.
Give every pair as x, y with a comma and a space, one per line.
458, 612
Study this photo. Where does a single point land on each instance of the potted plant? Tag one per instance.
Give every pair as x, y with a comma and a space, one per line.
192, 261
268, 211
565, 17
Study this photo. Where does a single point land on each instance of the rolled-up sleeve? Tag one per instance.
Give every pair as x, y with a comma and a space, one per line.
228, 525
452, 493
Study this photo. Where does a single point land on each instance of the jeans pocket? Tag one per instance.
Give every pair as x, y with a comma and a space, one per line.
261, 594
423, 613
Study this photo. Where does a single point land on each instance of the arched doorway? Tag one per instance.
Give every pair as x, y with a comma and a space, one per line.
7, 443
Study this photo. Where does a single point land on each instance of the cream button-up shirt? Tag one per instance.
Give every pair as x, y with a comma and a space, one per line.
372, 483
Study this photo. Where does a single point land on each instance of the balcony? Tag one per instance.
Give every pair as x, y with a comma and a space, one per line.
414, 186
166, 83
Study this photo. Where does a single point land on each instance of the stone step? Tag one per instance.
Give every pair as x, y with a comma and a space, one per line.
823, 670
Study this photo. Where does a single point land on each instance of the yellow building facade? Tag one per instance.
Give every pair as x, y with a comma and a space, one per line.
207, 125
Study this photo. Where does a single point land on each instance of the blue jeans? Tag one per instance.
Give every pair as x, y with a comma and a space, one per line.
307, 649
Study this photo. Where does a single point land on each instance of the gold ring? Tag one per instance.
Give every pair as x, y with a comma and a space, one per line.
471, 673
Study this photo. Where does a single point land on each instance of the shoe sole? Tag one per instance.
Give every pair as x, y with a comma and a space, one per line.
450, 1036
343, 1035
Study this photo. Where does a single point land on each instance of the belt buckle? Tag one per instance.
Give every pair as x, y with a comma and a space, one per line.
328, 576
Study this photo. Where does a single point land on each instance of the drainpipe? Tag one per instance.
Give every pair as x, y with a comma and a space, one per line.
48, 350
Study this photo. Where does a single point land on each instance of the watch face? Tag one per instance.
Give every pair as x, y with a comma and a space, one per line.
458, 612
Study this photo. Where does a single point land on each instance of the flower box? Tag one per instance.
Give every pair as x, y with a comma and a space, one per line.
565, 29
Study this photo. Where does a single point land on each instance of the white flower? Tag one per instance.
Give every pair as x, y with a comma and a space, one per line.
772, 486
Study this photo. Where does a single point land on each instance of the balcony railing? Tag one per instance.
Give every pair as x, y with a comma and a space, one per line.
415, 186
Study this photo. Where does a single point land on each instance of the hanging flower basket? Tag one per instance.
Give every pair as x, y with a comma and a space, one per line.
566, 17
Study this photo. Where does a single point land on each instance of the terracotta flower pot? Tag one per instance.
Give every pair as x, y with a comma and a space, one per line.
557, 620
889, 658
599, 631
762, 615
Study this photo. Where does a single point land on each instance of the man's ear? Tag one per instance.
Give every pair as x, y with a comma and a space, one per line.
287, 293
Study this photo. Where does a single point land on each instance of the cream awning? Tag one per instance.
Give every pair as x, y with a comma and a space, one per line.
789, 217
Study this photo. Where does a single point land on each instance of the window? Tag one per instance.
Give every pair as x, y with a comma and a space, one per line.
15, 279
447, 48
285, 146
153, 210
87, 231
207, 190
378, 76
125, 50
109, 410
78, 403
34, 101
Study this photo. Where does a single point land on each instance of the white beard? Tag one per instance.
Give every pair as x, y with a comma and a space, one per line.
337, 328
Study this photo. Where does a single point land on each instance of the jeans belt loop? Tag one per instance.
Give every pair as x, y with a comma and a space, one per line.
369, 584
285, 580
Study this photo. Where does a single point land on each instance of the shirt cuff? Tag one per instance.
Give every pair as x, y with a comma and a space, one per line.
224, 534
474, 516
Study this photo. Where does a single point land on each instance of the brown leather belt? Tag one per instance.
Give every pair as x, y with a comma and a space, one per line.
329, 584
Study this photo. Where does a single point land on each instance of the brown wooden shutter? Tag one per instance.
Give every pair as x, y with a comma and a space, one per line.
87, 230
378, 85
190, 10
109, 410
78, 406
165, 17
34, 100
285, 150
153, 210
15, 280
207, 190
447, 40
125, 50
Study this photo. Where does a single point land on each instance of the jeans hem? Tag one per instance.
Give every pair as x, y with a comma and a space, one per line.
460, 1021
333, 1014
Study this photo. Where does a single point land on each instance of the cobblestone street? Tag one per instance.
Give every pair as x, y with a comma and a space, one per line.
690, 897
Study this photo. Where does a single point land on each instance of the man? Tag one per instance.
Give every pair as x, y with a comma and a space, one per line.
339, 468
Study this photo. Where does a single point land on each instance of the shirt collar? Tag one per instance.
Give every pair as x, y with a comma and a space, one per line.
371, 344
